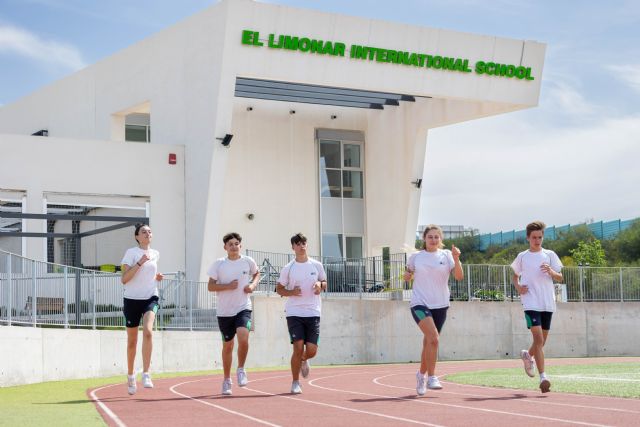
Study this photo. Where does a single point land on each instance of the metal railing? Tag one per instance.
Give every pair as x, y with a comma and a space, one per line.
36, 293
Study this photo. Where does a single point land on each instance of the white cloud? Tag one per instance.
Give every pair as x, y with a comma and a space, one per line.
500, 174
24, 43
630, 74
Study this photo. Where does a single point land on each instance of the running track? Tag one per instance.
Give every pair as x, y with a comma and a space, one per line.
373, 395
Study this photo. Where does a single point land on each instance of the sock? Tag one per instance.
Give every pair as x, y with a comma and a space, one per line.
543, 376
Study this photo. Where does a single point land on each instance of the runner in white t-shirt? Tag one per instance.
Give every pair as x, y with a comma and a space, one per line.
430, 269
534, 272
140, 278
302, 280
234, 278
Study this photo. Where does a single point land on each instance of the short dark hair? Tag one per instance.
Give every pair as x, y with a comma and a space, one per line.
298, 238
535, 226
230, 236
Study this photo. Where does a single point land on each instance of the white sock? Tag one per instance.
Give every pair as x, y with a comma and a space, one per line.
131, 376
543, 376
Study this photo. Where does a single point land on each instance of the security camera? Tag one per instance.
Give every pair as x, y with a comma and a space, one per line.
292, 111
333, 117
249, 108
250, 216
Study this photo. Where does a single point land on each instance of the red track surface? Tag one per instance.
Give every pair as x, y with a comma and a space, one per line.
373, 395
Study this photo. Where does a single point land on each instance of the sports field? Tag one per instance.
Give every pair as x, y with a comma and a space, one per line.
498, 390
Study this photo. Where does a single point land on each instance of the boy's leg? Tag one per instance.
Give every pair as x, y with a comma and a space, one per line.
296, 358
536, 349
227, 357
243, 345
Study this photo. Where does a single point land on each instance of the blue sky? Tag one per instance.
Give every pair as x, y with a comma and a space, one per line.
573, 158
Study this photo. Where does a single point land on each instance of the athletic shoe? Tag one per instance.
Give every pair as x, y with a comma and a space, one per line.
304, 368
529, 365
242, 377
421, 385
545, 385
226, 387
146, 380
295, 387
433, 383
131, 384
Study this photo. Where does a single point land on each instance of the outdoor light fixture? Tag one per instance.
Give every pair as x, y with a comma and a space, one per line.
292, 111
226, 140
249, 108
41, 132
333, 117
250, 216
417, 182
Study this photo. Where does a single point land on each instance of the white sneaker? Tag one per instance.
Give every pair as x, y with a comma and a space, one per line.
146, 380
545, 385
529, 365
304, 368
421, 385
131, 384
242, 377
226, 387
295, 387
433, 383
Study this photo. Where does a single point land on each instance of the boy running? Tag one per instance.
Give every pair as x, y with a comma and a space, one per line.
233, 278
534, 273
302, 280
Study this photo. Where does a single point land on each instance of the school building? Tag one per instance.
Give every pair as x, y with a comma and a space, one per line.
252, 117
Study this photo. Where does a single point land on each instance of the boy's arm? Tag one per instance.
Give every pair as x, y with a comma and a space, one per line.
284, 292
254, 283
214, 286
522, 289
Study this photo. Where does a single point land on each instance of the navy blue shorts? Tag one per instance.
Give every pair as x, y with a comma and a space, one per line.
229, 324
134, 309
304, 328
439, 315
538, 318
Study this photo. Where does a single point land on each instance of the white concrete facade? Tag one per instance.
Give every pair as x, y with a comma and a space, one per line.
352, 331
185, 77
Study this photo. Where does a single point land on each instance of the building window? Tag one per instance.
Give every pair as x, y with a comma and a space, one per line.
137, 128
341, 194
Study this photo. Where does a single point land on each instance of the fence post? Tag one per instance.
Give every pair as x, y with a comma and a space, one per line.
94, 293
34, 289
621, 287
66, 297
191, 305
10, 290
468, 283
581, 278
504, 280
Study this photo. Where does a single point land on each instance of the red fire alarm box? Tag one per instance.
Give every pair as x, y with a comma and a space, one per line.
172, 158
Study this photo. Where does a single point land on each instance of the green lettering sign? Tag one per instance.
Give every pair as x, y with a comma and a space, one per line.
314, 46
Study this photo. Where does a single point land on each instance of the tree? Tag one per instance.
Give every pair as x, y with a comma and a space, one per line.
589, 253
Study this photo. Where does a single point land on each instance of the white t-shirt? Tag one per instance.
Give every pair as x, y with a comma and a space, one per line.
431, 278
541, 292
225, 271
143, 284
304, 275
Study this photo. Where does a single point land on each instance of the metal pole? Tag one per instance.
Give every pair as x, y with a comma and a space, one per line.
191, 306
10, 291
94, 294
581, 276
34, 290
468, 283
78, 263
621, 287
504, 280
66, 297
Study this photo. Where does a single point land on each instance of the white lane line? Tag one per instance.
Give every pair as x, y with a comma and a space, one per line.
344, 408
451, 405
537, 402
104, 407
222, 408
602, 378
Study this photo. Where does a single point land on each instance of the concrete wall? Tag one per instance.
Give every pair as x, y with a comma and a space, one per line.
352, 331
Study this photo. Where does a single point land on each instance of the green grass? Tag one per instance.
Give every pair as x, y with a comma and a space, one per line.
611, 379
59, 403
